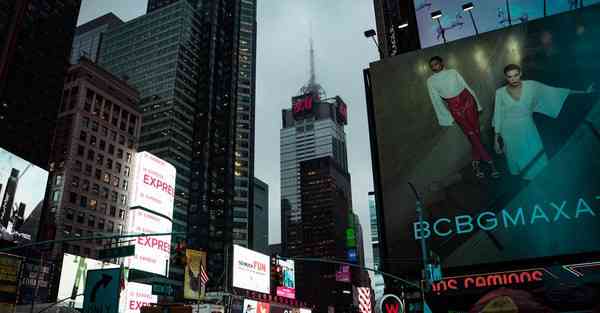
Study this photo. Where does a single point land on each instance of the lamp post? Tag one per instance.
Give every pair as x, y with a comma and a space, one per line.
436, 17
508, 12
371, 34
545, 8
468, 7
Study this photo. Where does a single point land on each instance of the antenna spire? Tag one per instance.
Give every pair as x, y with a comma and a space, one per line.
313, 79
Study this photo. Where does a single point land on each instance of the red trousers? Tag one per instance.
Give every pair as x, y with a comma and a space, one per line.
464, 111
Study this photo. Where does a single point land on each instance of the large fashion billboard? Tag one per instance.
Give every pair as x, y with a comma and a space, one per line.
499, 135
251, 270
152, 253
154, 184
488, 15
285, 279
196, 276
73, 276
22, 188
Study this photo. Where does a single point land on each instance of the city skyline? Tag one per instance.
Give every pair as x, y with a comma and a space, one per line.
277, 49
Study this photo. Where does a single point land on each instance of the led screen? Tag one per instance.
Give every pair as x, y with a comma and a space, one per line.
488, 15
540, 130
152, 253
251, 270
153, 184
22, 188
285, 279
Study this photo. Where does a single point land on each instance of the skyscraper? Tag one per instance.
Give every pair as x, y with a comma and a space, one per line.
88, 37
374, 218
194, 64
96, 137
261, 217
35, 41
393, 39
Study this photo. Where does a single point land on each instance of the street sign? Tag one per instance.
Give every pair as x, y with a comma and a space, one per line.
117, 252
163, 290
102, 290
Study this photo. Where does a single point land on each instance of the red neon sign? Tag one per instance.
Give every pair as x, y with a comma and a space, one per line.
488, 280
303, 105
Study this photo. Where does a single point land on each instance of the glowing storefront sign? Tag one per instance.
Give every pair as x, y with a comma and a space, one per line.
490, 280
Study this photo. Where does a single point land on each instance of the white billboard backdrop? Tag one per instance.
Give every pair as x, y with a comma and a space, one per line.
136, 296
22, 189
72, 281
251, 270
151, 253
153, 184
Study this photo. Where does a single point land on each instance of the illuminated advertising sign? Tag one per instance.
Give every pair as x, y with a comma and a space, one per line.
250, 306
151, 253
488, 15
302, 310
73, 276
154, 184
137, 296
302, 105
22, 189
10, 267
251, 270
490, 280
343, 275
193, 288
285, 275
390, 303
342, 111
499, 143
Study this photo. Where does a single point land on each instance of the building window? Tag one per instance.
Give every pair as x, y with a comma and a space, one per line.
111, 226
67, 230
120, 153
80, 150
58, 180
101, 223
128, 158
56, 195
93, 140
70, 214
85, 122
109, 164
83, 201
105, 192
91, 221
93, 204
123, 199
95, 188
91, 155
113, 135
111, 149
78, 165
115, 181
122, 214
77, 233
118, 167
94, 126
83, 136
125, 185
81, 217
113, 211
126, 173
103, 208
114, 196
104, 131
75, 182
99, 159
106, 178
98, 174
121, 139
102, 145
85, 186
88, 169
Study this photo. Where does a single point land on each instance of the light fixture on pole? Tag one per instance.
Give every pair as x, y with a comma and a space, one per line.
403, 25
545, 8
371, 34
436, 15
508, 13
468, 7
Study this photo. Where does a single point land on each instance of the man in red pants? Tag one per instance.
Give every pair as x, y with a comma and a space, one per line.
454, 101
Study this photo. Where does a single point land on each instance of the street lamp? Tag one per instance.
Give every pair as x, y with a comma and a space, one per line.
403, 25
436, 15
508, 13
371, 34
468, 7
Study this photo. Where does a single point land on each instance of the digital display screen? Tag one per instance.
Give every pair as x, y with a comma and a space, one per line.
499, 135
251, 270
488, 15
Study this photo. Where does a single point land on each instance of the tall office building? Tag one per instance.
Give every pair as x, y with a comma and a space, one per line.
35, 41
378, 282
394, 40
94, 143
312, 128
88, 37
194, 65
260, 236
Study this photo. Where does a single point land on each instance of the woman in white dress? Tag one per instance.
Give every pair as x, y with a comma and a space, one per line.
513, 120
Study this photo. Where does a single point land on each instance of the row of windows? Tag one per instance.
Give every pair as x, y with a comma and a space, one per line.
94, 221
92, 204
92, 125
108, 111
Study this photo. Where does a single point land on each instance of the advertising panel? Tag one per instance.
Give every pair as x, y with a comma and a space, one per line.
10, 267
73, 277
488, 15
138, 295
343, 274
499, 137
151, 253
154, 184
285, 279
250, 306
102, 288
34, 275
194, 284
251, 270
22, 189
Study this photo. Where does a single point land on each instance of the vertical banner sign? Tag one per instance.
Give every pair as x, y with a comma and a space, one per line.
193, 288
286, 286
153, 252
102, 290
10, 267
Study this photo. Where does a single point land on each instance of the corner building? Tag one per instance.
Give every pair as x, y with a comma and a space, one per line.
94, 144
194, 65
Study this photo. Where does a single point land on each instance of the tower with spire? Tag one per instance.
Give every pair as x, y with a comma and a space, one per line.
315, 191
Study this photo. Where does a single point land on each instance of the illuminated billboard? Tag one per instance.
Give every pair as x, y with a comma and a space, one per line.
151, 252
22, 189
285, 278
73, 276
488, 15
153, 184
195, 277
498, 133
251, 270
137, 296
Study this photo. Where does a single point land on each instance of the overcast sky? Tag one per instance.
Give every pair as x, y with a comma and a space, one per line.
342, 52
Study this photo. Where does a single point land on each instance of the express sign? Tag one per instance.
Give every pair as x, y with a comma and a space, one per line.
153, 185
151, 253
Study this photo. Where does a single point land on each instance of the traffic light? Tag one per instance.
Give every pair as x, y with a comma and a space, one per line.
179, 257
